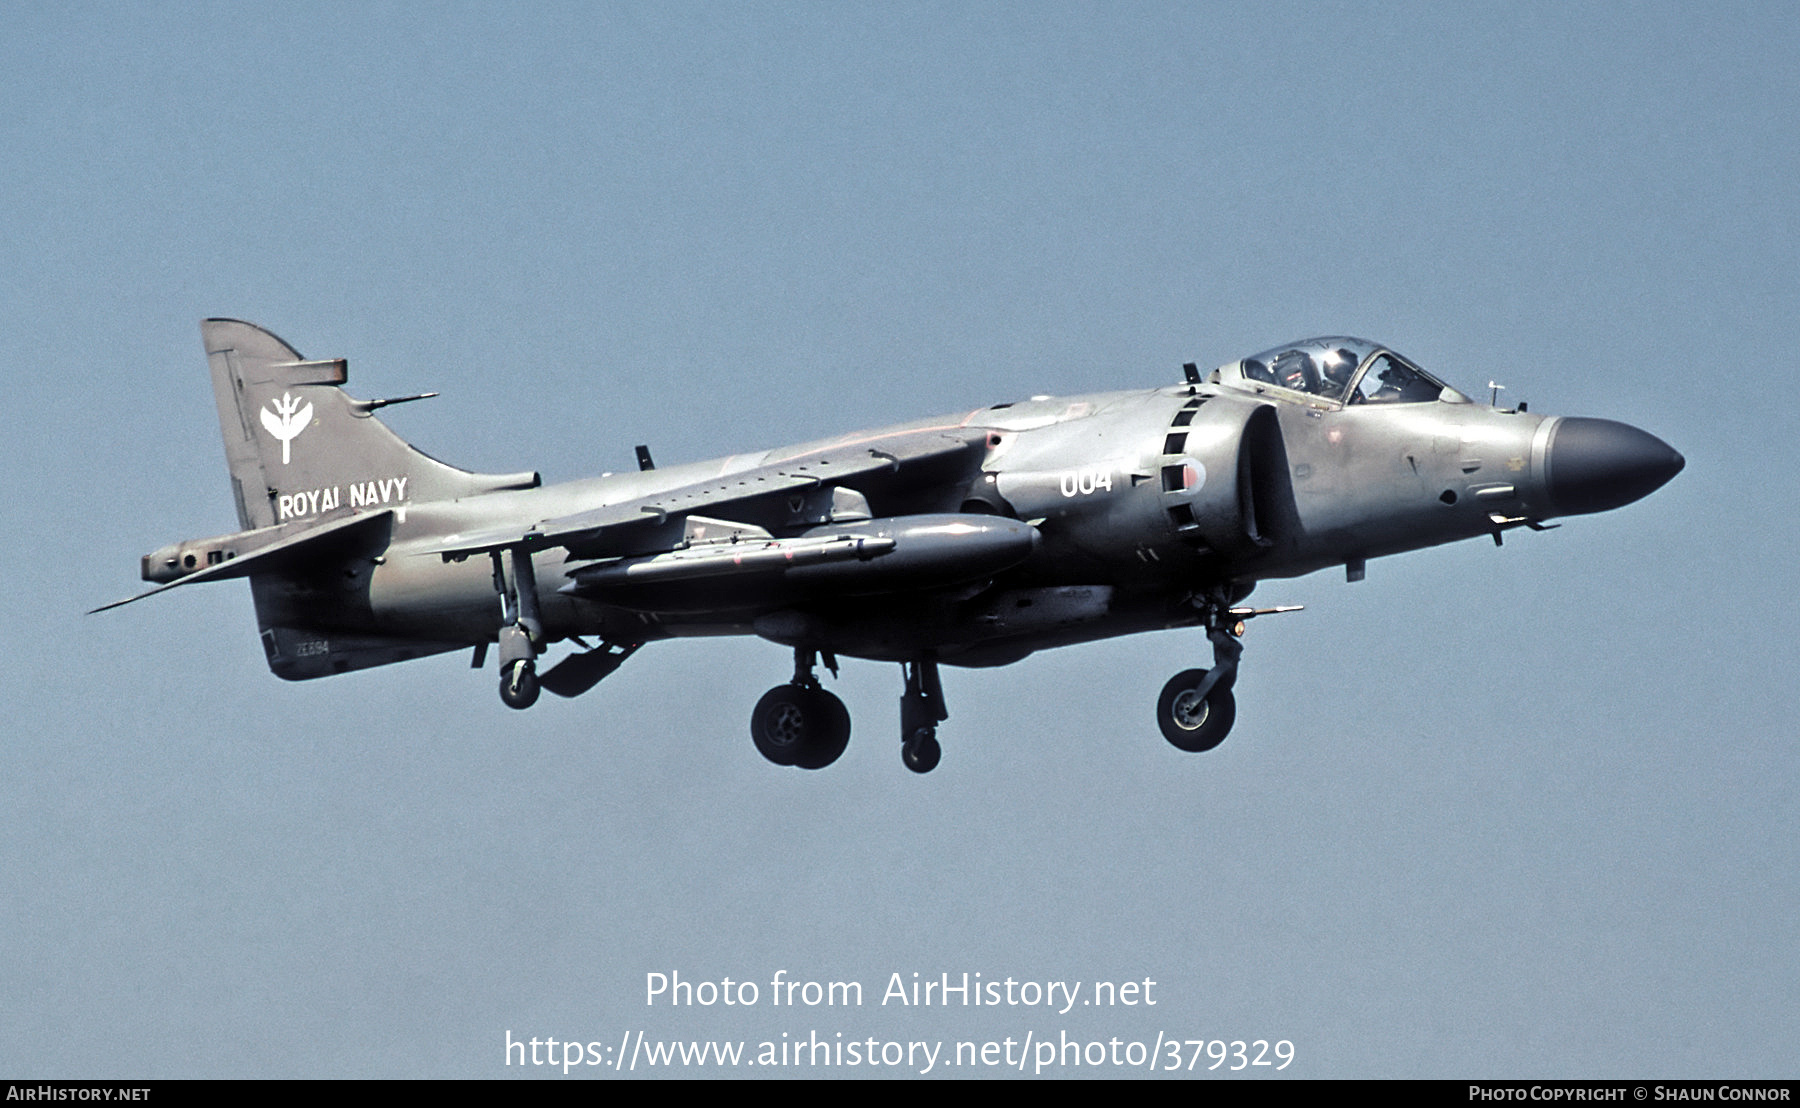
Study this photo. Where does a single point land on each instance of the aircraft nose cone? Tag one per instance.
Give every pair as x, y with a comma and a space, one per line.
1599, 464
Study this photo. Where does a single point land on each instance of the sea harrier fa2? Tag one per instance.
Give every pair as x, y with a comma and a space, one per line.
971, 539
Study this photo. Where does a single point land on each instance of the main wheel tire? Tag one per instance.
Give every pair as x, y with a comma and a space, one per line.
921, 751
1187, 721
519, 684
827, 730
781, 722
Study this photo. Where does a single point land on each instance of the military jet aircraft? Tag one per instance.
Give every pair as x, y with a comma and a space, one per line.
970, 539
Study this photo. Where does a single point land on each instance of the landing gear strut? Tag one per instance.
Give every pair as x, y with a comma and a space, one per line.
1196, 708
521, 631
921, 710
800, 724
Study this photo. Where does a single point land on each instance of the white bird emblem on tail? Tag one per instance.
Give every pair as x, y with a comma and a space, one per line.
287, 426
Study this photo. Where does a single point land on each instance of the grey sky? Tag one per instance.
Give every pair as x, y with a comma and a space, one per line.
1526, 811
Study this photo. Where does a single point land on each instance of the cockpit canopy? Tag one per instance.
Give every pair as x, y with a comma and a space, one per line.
1342, 370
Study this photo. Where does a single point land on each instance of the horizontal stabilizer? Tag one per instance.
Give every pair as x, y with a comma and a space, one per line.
283, 553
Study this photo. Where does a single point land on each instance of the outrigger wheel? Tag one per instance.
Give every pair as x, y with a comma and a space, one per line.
519, 684
521, 629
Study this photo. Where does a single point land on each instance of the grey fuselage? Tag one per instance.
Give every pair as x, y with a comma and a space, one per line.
974, 538
1112, 557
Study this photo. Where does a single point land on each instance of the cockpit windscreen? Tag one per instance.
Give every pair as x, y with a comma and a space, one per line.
1343, 369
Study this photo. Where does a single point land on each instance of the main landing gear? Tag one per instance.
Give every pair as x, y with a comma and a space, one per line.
921, 710
1196, 708
799, 723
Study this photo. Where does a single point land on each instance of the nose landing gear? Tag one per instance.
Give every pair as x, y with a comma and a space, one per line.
1196, 709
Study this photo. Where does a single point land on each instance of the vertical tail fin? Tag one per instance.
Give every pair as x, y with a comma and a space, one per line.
301, 449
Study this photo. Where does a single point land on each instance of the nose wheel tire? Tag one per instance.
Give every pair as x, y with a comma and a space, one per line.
1190, 722
519, 684
797, 725
921, 751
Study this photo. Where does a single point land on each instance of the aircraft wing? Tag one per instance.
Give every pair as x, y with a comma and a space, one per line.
811, 488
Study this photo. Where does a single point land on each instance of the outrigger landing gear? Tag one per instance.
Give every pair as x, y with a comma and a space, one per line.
521, 631
800, 724
921, 710
1196, 709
